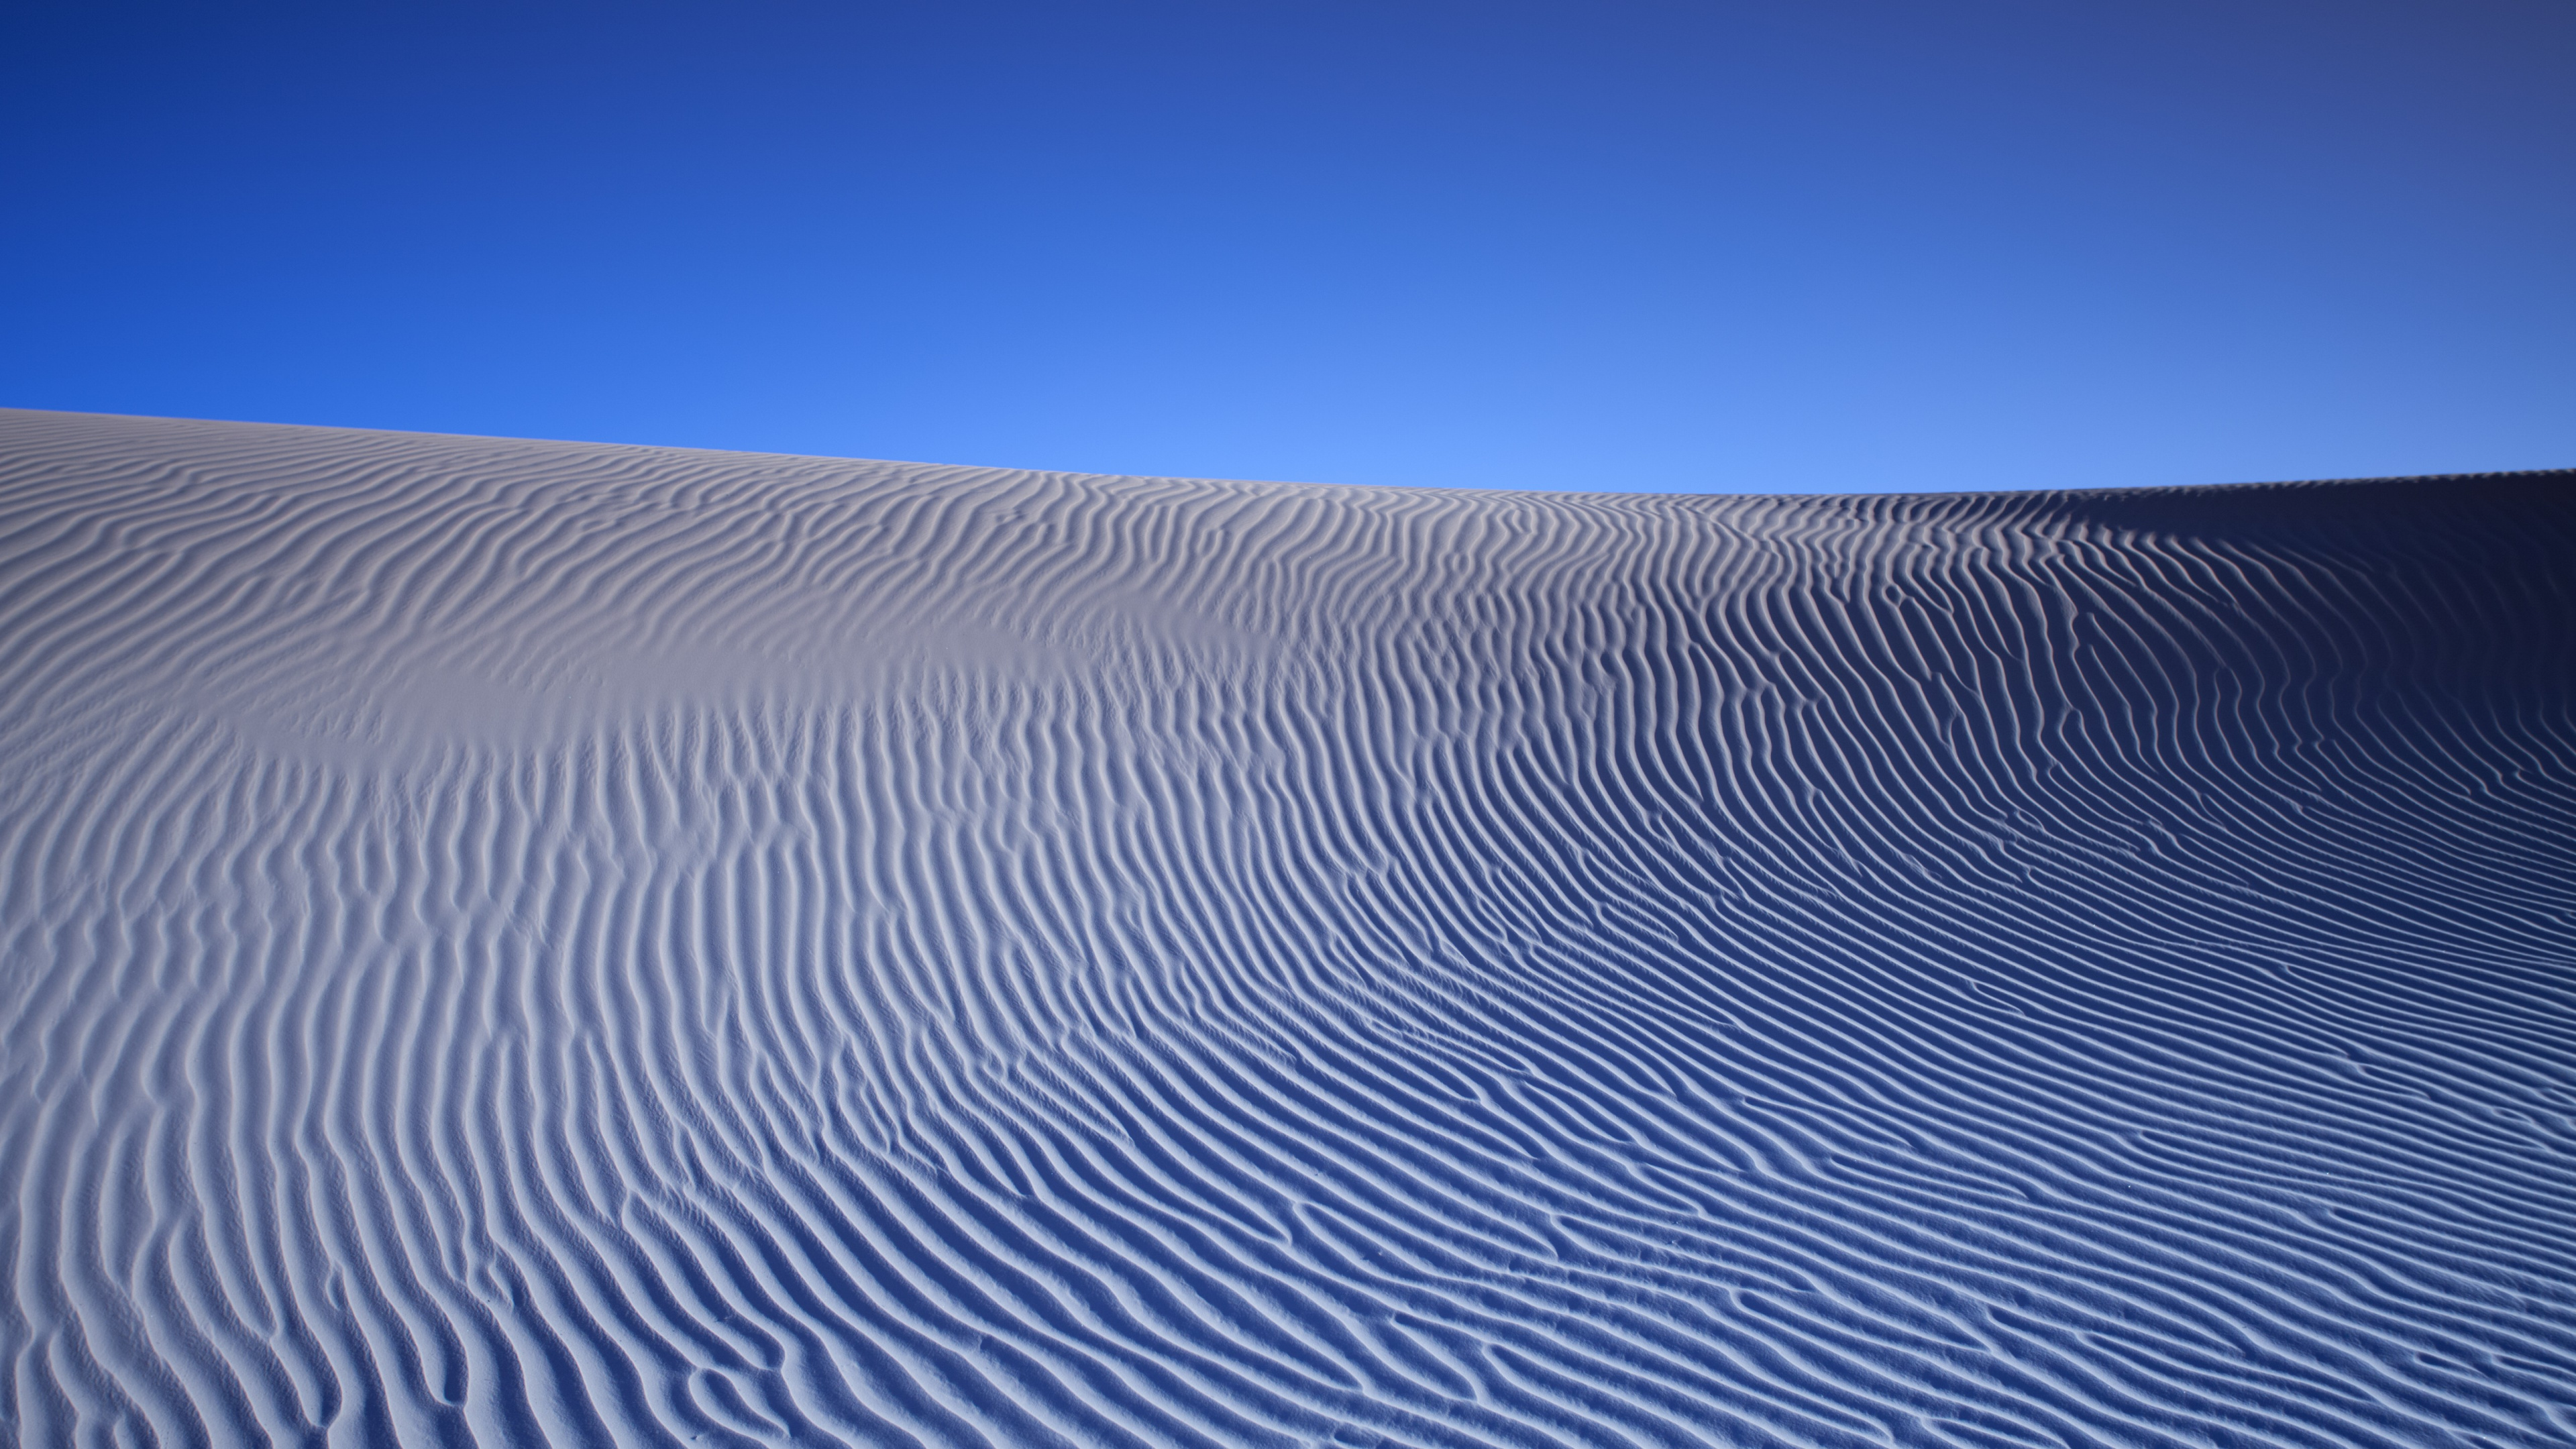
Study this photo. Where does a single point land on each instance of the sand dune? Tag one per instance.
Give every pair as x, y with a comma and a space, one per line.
516, 943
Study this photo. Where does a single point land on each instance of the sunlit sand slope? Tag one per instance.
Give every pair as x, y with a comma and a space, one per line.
522, 943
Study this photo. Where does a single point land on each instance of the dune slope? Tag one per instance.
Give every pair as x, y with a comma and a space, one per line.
518, 943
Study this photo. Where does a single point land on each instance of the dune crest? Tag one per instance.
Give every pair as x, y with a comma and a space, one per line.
514, 943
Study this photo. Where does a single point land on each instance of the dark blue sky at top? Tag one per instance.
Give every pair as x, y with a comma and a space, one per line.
1607, 245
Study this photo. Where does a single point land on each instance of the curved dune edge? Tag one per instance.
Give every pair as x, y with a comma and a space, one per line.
512, 943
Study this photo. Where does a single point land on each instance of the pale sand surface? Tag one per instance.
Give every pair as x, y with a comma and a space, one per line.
515, 942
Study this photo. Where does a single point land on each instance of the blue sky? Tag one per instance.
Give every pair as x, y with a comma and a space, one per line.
1607, 245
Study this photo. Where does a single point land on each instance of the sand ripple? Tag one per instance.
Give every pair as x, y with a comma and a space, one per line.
521, 943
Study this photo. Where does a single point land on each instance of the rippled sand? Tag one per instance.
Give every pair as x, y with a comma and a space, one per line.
518, 943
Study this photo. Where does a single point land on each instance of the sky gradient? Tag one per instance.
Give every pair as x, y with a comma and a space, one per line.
1630, 246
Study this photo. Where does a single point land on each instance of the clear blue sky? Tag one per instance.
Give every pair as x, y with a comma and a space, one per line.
1594, 244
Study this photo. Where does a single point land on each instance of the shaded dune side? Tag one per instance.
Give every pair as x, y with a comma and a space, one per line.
520, 943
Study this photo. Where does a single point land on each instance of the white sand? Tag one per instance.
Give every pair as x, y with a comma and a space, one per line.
522, 942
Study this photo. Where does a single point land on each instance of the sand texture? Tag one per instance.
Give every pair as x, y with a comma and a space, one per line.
522, 943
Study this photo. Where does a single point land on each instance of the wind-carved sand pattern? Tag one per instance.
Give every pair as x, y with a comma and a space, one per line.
522, 943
